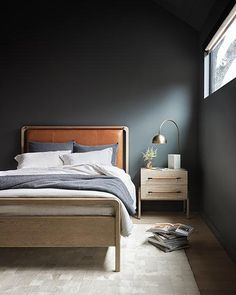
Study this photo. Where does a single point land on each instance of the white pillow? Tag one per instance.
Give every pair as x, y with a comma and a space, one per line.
40, 160
95, 157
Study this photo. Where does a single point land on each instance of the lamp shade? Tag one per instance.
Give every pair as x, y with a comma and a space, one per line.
159, 139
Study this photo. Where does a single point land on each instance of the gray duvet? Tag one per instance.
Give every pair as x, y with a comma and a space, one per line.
107, 184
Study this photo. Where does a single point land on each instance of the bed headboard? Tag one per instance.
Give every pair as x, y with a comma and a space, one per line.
87, 135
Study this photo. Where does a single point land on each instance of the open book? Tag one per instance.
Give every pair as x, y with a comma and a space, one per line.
176, 229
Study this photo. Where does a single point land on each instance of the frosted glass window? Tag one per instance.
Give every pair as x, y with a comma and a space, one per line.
223, 59
220, 56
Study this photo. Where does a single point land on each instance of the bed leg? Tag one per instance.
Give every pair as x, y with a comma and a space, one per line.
117, 238
117, 258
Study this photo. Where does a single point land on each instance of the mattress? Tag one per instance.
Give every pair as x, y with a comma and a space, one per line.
52, 209
44, 210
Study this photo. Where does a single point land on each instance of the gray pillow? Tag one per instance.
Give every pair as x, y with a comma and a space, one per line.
79, 148
50, 146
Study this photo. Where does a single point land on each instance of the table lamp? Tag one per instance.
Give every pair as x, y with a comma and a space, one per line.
173, 159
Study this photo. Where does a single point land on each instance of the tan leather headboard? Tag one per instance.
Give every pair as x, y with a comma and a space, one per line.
87, 135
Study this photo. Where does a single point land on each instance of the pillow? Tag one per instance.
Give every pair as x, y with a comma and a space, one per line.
97, 157
79, 148
50, 146
40, 160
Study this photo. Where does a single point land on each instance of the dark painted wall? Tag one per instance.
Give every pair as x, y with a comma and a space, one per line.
114, 63
217, 146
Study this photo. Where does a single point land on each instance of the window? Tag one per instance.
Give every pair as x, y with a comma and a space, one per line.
220, 56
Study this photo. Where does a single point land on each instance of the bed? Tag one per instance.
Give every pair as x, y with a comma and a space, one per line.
78, 219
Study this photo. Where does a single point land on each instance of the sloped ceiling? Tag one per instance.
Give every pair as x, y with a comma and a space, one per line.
193, 12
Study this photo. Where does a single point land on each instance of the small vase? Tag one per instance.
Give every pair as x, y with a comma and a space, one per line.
149, 165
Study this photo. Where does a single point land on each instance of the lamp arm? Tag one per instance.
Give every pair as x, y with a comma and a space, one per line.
169, 120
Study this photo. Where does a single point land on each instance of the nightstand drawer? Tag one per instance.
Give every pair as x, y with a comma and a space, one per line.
152, 177
164, 192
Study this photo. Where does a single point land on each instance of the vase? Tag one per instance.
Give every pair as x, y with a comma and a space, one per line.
149, 165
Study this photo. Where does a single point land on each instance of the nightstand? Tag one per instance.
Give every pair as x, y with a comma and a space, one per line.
163, 184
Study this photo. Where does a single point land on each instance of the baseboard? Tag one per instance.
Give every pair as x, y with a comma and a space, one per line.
218, 236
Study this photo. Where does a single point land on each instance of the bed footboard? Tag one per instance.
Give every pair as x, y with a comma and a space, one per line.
62, 231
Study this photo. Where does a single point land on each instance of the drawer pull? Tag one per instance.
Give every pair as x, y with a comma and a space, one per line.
176, 192
177, 178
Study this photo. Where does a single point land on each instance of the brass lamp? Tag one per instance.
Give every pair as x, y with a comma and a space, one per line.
173, 159
161, 139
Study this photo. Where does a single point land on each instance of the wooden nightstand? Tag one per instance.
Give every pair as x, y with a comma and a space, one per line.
160, 184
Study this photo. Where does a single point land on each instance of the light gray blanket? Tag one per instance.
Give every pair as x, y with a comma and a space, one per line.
107, 184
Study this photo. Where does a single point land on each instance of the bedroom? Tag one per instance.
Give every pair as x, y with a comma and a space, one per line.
134, 64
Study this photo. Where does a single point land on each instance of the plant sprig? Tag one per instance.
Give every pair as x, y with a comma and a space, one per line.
149, 154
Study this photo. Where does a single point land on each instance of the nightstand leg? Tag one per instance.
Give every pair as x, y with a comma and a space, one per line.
139, 204
187, 212
184, 206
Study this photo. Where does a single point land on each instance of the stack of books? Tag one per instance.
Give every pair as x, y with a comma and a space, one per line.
170, 237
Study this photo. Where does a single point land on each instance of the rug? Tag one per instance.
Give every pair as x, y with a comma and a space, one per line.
89, 271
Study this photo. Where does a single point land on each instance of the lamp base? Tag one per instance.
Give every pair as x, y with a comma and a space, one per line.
174, 161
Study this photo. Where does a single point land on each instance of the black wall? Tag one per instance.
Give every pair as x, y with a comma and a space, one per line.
217, 146
94, 62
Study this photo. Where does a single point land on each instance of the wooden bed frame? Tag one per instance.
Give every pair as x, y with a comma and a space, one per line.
67, 231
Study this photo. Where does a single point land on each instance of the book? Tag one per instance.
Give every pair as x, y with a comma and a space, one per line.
165, 248
170, 243
173, 241
170, 237
176, 229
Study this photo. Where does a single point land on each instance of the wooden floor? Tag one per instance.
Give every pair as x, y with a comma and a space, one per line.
214, 272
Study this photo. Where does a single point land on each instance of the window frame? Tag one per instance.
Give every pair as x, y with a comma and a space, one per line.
211, 45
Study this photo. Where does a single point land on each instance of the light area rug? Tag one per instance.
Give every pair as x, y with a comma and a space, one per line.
88, 271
